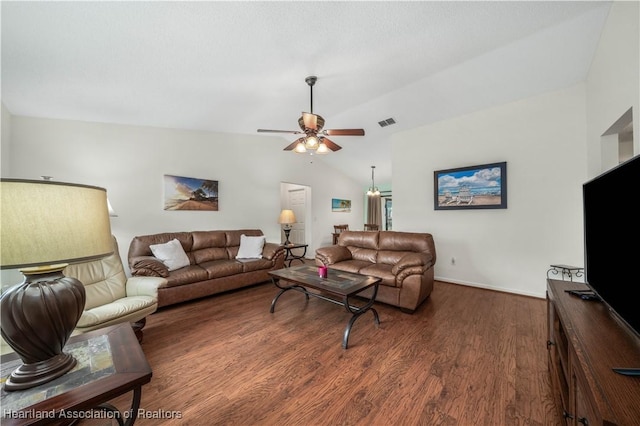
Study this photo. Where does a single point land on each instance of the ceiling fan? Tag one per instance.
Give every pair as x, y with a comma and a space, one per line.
315, 138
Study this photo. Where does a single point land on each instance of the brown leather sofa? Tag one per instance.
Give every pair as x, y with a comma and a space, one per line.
213, 267
404, 261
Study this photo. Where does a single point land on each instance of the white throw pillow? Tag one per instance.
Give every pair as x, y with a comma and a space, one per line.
250, 247
171, 254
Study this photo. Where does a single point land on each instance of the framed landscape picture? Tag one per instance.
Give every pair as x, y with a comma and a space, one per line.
338, 205
186, 193
474, 187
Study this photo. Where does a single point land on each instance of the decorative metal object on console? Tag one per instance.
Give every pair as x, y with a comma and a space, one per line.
565, 271
44, 226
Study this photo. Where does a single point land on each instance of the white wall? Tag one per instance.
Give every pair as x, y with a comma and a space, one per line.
542, 141
613, 84
552, 144
130, 161
5, 138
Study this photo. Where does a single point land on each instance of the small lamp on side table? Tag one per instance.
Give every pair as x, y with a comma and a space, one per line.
287, 218
44, 226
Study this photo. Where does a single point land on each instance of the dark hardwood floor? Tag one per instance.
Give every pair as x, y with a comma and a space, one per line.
466, 357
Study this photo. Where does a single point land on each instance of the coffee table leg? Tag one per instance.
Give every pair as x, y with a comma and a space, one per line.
356, 312
130, 415
347, 331
276, 282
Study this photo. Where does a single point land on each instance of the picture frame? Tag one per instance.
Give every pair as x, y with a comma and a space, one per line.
342, 206
186, 193
481, 186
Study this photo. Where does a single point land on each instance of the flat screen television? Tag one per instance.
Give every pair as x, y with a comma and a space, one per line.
612, 240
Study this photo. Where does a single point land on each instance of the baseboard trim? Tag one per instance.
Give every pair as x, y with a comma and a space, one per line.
493, 288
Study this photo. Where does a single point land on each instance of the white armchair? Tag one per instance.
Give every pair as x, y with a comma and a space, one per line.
112, 297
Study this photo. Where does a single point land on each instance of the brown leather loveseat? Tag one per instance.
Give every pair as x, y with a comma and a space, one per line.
212, 265
404, 261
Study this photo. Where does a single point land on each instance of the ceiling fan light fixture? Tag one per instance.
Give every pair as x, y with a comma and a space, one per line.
300, 148
322, 148
373, 189
311, 142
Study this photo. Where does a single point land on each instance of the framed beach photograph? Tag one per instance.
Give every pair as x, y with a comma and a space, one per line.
474, 187
338, 205
186, 193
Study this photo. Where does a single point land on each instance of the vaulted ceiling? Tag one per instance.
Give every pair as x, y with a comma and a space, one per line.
239, 66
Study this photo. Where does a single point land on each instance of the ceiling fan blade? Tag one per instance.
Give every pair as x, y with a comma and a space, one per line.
331, 145
293, 145
343, 132
295, 132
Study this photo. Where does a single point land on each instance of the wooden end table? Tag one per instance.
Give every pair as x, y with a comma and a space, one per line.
110, 363
290, 256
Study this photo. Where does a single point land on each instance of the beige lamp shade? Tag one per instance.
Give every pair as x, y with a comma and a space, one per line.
43, 226
287, 217
45, 222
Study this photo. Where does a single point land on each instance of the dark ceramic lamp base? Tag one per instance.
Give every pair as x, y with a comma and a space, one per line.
37, 318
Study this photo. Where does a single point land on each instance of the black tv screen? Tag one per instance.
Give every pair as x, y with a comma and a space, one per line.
612, 239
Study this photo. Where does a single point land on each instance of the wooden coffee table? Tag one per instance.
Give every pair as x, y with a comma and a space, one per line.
110, 363
337, 288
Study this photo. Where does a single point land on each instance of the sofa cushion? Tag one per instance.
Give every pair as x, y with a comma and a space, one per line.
332, 254
407, 241
390, 257
171, 254
221, 268
362, 239
250, 247
380, 270
186, 275
209, 245
365, 254
149, 266
213, 253
206, 239
233, 237
114, 310
350, 265
250, 265
140, 244
104, 279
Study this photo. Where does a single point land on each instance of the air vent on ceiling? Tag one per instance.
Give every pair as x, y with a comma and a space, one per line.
387, 122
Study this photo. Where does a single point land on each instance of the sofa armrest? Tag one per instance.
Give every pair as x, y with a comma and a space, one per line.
332, 254
144, 286
271, 250
148, 266
417, 262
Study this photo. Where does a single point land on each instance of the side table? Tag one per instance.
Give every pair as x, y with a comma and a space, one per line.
290, 256
110, 363
565, 270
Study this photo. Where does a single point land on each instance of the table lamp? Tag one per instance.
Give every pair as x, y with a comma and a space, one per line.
287, 218
44, 226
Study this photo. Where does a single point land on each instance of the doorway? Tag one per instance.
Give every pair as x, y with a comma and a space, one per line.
387, 210
297, 198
